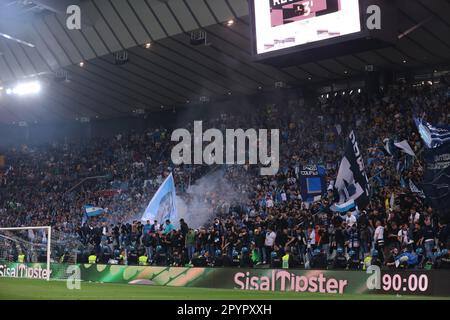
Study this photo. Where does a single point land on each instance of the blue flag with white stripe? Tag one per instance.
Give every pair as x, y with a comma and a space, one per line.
92, 211
343, 207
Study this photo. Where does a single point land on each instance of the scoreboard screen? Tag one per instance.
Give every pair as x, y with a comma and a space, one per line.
282, 24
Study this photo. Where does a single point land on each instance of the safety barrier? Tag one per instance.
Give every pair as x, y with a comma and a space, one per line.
417, 282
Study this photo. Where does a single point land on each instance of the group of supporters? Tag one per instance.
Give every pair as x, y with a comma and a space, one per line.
343, 243
266, 223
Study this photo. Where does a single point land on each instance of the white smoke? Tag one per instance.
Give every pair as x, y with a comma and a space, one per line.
208, 195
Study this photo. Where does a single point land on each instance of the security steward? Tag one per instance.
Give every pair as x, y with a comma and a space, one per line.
287, 259
65, 257
353, 261
21, 258
161, 257
132, 257
226, 260
376, 261
372, 260
92, 259
275, 260
318, 260
235, 259
217, 261
122, 258
246, 261
143, 260
339, 262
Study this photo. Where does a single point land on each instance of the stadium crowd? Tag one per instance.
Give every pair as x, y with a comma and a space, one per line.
266, 223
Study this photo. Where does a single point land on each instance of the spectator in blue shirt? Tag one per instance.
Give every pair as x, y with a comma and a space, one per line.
147, 227
168, 227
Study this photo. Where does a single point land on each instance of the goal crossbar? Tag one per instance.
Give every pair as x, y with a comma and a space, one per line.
49, 237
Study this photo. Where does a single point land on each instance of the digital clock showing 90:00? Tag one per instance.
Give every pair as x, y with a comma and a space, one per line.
405, 282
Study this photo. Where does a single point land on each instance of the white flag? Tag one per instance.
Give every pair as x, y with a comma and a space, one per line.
405, 147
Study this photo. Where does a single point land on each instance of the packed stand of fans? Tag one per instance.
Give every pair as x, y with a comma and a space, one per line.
267, 223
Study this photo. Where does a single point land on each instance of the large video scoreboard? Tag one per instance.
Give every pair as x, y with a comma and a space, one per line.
283, 27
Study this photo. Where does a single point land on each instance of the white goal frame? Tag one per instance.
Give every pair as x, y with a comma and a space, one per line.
49, 240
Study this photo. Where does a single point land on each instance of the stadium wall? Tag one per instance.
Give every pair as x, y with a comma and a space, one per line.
417, 282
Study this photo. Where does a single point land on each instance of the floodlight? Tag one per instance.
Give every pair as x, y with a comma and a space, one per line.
25, 88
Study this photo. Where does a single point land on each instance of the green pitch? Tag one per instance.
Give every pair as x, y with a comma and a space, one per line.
39, 289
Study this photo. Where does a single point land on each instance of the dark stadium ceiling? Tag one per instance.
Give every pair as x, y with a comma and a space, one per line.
170, 72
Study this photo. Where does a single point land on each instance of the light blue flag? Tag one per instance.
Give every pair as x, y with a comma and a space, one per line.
92, 211
343, 207
162, 207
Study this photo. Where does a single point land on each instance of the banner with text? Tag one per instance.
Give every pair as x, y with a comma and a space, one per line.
376, 281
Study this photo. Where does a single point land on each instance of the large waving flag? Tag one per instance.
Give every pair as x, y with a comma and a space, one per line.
351, 181
162, 207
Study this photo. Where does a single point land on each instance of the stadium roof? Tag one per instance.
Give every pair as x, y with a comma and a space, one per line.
172, 71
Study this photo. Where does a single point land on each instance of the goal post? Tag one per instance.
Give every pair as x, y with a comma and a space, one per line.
13, 238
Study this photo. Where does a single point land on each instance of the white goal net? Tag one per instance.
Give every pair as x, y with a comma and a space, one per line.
26, 246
